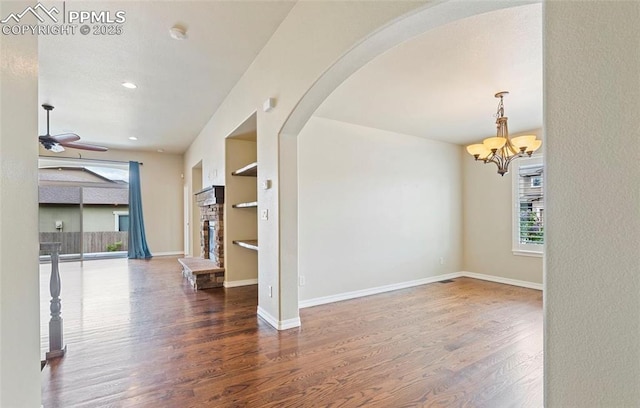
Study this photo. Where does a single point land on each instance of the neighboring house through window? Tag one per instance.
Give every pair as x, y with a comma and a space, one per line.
528, 206
77, 199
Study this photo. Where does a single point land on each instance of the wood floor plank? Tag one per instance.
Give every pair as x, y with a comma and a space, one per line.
139, 336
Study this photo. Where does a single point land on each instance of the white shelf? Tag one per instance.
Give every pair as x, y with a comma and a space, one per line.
250, 170
247, 243
252, 204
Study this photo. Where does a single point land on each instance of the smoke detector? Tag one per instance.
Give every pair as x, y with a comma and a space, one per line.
178, 33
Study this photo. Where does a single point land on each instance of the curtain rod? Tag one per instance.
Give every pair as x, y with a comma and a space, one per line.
82, 158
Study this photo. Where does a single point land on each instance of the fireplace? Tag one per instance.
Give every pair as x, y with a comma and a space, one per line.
211, 203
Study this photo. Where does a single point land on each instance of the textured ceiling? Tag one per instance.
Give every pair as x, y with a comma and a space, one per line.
180, 83
441, 85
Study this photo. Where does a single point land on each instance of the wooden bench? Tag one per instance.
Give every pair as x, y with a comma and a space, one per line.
202, 273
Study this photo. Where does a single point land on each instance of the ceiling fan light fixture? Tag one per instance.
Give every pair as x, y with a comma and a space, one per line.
129, 85
57, 143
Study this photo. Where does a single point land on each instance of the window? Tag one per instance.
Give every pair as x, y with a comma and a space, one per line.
121, 220
75, 199
528, 208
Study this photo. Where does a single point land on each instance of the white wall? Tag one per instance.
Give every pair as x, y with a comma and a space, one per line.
162, 194
313, 36
592, 275
488, 224
375, 208
19, 275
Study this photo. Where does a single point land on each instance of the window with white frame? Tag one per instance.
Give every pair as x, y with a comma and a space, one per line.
528, 206
121, 220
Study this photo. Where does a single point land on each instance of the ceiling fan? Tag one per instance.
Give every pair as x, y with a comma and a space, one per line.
57, 143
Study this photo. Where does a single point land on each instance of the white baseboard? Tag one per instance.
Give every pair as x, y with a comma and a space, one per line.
235, 284
500, 279
402, 285
171, 253
373, 291
289, 324
278, 324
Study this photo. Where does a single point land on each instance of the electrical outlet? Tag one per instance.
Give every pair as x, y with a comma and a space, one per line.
270, 291
441, 261
302, 280
264, 214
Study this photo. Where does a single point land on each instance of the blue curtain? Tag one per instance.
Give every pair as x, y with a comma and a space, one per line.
138, 248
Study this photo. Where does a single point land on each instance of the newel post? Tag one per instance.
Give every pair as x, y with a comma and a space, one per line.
56, 343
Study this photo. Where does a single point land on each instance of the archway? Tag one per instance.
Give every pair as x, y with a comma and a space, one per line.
427, 18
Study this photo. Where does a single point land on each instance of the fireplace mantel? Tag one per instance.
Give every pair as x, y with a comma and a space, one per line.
210, 196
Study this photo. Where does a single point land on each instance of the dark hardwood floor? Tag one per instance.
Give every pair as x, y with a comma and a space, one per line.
138, 336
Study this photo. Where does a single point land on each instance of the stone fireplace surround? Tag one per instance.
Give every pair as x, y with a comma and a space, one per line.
211, 203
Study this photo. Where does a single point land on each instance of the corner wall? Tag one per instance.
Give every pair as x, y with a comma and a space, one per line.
19, 273
592, 262
313, 36
376, 208
488, 218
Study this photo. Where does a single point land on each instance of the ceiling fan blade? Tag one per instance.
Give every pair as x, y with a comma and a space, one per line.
66, 137
83, 146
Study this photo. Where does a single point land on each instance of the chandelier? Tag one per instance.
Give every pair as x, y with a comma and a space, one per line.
502, 150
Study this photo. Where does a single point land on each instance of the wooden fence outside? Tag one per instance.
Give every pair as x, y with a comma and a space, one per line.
93, 241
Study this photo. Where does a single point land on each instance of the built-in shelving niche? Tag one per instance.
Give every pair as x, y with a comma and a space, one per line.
241, 197
250, 170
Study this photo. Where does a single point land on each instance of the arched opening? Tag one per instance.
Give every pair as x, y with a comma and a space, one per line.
314, 246
423, 21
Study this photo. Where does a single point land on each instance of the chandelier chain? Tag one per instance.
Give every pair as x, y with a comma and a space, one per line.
500, 112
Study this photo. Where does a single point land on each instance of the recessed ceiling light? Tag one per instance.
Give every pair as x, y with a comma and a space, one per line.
178, 33
133, 138
129, 85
